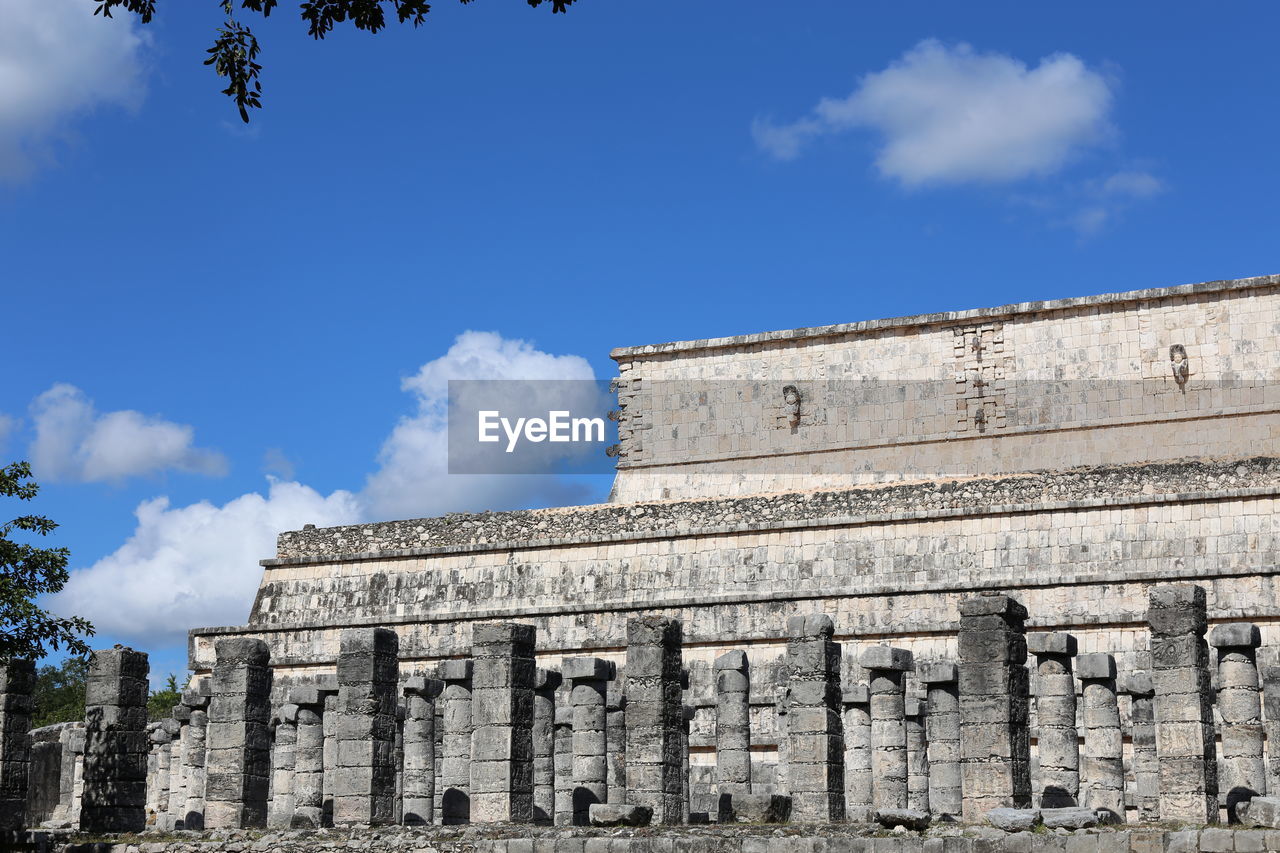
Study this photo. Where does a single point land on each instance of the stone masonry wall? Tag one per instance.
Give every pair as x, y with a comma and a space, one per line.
895, 576
1058, 384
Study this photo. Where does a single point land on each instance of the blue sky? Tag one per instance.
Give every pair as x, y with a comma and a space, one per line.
192, 306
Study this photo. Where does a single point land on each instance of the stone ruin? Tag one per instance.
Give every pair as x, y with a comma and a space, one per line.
1008, 569
493, 740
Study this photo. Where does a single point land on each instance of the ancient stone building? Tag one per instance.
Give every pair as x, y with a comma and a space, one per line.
1068, 453
838, 564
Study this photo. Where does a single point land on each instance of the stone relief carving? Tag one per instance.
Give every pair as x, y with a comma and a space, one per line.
791, 402
1181, 366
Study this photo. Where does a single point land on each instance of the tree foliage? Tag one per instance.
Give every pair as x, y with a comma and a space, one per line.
235, 48
60, 693
160, 703
59, 696
28, 571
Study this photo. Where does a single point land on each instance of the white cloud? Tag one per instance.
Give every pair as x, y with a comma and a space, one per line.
57, 60
1106, 200
953, 115
413, 479
196, 565
1132, 184
73, 442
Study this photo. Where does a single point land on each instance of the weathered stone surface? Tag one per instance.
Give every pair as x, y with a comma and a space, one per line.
655, 718
619, 814
885, 668
994, 736
238, 739
115, 752
815, 770
1242, 767
1069, 818
1058, 738
753, 808
588, 695
733, 724
1013, 820
502, 722
909, 818
17, 686
1185, 748
942, 734
1260, 811
1103, 739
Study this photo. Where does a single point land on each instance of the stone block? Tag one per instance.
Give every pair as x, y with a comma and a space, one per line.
858, 694
1071, 817
1013, 820
732, 660
455, 670
619, 814
1051, 643
1235, 635
1260, 811
993, 604
914, 819
586, 669
420, 685
886, 657
1177, 609
937, 672
1095, 666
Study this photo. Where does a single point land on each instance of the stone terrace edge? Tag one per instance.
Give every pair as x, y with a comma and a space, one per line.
635, 353
523, 529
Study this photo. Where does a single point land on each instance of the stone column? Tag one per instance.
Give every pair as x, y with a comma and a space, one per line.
364, 787
733, 724
159, 761
115, 752
238, 741
1142, 734
17, 684
283, 767
195, 753
455, 766
655, 717
72, 740
587, 678
563, 815
420, 750
174, 811
1059, 741
686, 719
308, 758
917, 755
502, 723
329, 727
885, 667
1103, 740
942, 731
814, 729
545, 683
1185, 745
857, 753
1244, 773
615, 731
995, 750
1271, 704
